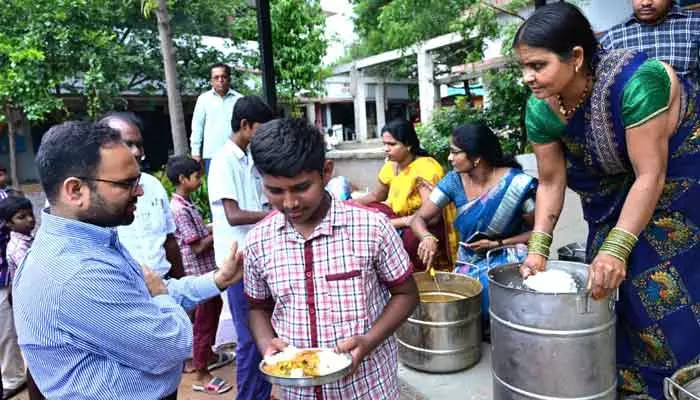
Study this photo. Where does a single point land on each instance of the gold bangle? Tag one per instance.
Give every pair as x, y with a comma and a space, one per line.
539, 243
540, 233
429, 236
618, 256
546, 256
625, 232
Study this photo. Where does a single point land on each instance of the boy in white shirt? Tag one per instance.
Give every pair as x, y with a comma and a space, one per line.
237, 203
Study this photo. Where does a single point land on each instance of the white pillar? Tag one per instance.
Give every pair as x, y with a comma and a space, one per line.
359, 90
380, 101
311, 113
329, 116
426, 88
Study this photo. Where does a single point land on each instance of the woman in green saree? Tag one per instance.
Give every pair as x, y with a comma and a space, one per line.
623, 132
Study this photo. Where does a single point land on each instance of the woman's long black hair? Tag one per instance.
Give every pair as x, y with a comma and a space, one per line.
478, 141
404, 132
559, 27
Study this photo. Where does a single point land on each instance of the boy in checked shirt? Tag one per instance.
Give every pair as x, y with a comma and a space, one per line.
196, 246
321, 273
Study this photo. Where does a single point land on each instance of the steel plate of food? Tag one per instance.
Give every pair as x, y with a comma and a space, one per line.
306, 367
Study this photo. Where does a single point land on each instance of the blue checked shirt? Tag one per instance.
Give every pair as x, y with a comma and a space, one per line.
675, 40
87, 324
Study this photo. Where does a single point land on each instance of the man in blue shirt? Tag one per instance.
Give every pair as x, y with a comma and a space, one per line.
93, 323
663, 30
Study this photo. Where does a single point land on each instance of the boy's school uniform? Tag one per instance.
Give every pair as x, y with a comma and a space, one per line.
328, 288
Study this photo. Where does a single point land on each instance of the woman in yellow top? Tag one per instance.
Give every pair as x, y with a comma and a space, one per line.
405, 181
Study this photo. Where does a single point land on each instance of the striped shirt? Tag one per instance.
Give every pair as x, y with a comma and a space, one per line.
87, 324
675, 40
17, 248
329, 287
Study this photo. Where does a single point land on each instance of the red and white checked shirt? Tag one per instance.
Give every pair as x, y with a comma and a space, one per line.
328, 288
190, 227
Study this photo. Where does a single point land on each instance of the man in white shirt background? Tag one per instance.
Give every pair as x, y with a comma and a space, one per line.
150, 239
211, 122
237, 203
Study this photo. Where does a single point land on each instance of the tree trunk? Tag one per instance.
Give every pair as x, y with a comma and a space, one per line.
177, 115
11, 115
11, 145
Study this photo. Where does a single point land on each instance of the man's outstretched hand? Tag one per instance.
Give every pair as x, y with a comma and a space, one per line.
231, 270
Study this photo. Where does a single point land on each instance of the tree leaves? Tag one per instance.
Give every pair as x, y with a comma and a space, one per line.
298, 44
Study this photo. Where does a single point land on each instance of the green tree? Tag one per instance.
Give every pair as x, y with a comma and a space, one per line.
40, 49
298, 44
384, 25
175, 111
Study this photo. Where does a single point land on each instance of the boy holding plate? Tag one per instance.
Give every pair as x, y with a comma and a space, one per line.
320, 273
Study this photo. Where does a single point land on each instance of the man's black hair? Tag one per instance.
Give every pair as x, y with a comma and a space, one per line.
71, 149
126, 116
252, 109
181, 165
287, 147
221, 65
11, 205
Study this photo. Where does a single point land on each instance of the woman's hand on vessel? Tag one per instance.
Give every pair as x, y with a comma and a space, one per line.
533, 264
426, 249
605, 275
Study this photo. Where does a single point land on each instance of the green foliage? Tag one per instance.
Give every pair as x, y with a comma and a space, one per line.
384, 25
100, 48
298, 44
435, 136
504, 114
200, 198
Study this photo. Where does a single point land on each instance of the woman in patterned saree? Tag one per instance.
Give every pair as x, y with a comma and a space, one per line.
405, 180
623, 131
494, 200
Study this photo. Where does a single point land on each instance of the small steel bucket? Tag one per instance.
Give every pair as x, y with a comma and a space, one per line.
684, 384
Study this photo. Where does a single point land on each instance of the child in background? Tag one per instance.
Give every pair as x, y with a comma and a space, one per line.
18, 215
197, 248
15, 216
322, 273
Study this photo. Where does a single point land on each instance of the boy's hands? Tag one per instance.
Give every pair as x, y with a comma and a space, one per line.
274, 346
357, 346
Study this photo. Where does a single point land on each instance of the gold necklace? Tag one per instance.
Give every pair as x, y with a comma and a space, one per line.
567, 112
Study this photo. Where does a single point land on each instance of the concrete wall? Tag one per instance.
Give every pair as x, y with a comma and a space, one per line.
26, 170
359, 166
571, 226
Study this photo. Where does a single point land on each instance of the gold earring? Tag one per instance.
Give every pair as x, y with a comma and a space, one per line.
577, 68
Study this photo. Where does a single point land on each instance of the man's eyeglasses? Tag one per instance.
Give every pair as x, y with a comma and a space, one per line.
130, 183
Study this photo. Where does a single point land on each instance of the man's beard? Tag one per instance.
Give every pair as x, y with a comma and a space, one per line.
103, 215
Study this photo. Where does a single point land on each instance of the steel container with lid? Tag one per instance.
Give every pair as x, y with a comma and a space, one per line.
550, 345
